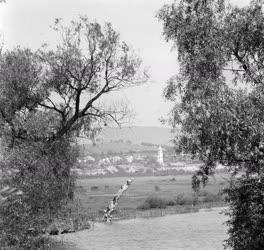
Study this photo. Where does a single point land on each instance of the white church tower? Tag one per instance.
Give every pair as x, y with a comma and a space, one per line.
160, 156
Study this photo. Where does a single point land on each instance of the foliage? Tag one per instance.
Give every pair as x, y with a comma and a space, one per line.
20, 93
63, 86
219, 123
181, 199
90, 62
157, 188
220, 51
157, 202
41, 173
153, 202
48, 97
94, 188
246, 223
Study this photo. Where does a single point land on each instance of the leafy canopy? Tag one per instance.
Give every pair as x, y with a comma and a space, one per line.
219, 98
61, 88
220, 48
47, 98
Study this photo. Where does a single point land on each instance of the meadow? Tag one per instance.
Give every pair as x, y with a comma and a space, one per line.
95, 193
148, 196
203, 230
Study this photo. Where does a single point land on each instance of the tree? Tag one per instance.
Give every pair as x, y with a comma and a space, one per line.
220, 51
40, 175
68, 82
47, 98
90, 62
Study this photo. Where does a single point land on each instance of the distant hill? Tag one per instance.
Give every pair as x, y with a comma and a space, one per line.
137, 135
127, 139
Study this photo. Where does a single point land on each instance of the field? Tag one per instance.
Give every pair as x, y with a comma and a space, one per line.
148, 196
202, 230
94, 194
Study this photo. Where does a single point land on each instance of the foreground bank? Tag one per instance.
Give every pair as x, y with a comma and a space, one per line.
81, 220
201, 230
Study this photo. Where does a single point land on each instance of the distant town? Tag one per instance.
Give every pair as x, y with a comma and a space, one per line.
121, 155
157, 162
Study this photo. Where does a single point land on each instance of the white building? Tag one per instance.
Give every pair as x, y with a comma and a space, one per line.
130, 158
160, 156
104, 162
116, 159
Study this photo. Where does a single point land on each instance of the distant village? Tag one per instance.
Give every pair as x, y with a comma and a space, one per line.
159, 161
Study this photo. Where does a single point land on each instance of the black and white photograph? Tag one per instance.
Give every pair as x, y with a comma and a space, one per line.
131, 124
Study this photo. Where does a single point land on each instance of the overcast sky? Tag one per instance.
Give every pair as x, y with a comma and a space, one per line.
26, 23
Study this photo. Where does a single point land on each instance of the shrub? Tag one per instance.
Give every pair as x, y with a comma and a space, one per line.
246, 214
42, 173
183, 200
212, 197
171, 202
203, 193
157, 202
157, 188
94, 188
153, 202
206, 196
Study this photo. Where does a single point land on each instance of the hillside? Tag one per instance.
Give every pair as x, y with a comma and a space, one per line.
127, 139
137, 135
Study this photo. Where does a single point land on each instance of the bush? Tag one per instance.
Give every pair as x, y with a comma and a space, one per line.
203, 193
246, 214
156, 202
153, 202
41, 173
183, 200
94, 188
206, 196
171, 202
212, 197
157, 188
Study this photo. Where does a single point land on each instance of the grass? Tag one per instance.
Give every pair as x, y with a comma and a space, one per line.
148, 196
173, 189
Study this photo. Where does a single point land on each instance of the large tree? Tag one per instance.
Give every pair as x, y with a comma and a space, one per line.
67, 82
219, 100
47, 98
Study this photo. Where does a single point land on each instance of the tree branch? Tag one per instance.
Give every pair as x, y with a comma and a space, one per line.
246, 68
235, 70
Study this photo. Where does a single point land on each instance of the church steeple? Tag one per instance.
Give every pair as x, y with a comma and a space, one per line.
160, 156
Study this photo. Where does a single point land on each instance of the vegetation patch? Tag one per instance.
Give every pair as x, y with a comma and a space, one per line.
180, 200
153, 202
94, 188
